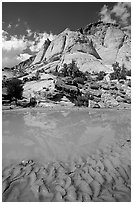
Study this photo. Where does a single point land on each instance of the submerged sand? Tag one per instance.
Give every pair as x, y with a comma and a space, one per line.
67, 155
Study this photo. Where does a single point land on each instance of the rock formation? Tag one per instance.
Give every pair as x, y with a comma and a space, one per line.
111, 43
96, 48
76, 63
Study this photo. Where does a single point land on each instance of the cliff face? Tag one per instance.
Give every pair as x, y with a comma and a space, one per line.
111, 43
93, 48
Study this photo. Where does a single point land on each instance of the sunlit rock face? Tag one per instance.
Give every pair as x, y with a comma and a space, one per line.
42, 52
95, 47
111, 43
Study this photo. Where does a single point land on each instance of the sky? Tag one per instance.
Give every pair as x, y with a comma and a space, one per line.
26, 25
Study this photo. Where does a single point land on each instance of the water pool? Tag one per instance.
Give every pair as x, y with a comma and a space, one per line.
66, 156
60, 135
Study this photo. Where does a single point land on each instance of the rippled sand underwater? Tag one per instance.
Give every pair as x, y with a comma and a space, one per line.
66, 156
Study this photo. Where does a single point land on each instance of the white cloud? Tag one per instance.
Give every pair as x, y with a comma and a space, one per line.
120, 13
9, 26
29, 32
106, 15
14, 44
14, 48
4, 35
11, 48
17, 25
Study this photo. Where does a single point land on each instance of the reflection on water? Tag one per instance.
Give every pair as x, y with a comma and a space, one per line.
59, 135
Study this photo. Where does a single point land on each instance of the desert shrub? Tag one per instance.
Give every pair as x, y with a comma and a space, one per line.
129, 72
119, 72
81, 100
33, 101
14, 88
100, 75
123, 73
71, 70
37, 75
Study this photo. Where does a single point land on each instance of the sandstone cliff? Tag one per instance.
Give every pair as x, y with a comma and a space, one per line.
93, 48
111, 43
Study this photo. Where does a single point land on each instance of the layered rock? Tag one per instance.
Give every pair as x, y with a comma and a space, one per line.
85, 62
111, 43
41, 53
94, 48
79, 55
22, 66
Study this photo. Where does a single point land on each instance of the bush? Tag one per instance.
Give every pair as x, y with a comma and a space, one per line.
81, 100
37, 75
101, 75
119, 72
33, 102
71, 70
129, 72
14, 88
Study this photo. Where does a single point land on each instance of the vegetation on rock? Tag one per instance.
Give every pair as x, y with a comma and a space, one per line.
119, 72
14, 88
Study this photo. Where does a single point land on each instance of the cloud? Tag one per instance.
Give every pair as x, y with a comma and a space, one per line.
4, 35
17, 25
19, 48
11, 48
14, 44
29, 32
121, 10
9, 26
105, 14
120, 14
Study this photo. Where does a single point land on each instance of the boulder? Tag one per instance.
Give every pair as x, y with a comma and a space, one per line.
120, 99
96, 93
105, 86
94, 85
101, 104
34, 87
96, 99
108, 100
85, 62
94, 104
60, 85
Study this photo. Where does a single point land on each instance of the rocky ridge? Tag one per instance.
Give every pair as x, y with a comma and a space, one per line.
70, 66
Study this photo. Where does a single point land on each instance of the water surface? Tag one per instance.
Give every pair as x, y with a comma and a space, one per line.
60, 135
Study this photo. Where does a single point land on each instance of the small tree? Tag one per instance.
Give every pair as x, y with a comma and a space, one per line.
129, 72
37, 75
123, 73
15, 89
101, 75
